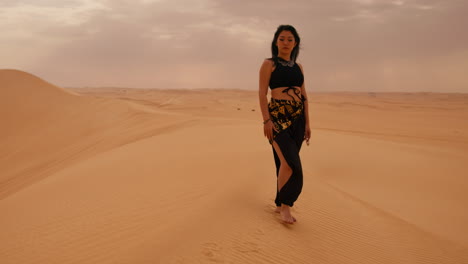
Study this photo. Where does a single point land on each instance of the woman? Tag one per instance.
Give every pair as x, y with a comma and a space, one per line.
285, 117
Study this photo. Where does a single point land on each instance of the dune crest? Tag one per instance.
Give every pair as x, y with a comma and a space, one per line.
19, 86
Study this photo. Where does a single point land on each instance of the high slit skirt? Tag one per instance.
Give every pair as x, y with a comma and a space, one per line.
289, 128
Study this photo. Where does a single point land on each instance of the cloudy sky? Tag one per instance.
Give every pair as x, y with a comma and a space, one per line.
347, 45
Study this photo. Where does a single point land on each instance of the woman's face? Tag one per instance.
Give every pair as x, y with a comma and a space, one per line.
285, 42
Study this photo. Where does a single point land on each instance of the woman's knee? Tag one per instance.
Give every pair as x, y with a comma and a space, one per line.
286, 168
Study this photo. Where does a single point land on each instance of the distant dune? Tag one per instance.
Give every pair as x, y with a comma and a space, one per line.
186, 176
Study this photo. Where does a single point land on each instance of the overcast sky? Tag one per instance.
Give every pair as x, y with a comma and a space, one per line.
347, 45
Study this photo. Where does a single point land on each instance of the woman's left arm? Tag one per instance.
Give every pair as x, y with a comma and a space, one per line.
306, 108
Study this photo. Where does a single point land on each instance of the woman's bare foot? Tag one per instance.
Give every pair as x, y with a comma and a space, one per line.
286, 214
278, 210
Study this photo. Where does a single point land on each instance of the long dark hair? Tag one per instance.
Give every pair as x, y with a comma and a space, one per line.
274, 48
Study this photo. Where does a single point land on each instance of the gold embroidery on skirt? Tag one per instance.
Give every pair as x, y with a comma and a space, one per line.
284, 112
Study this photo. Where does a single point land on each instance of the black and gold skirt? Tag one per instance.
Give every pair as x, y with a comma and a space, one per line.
289, 129
283, 113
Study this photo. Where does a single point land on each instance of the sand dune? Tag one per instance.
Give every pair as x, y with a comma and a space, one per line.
46, 128
185, 176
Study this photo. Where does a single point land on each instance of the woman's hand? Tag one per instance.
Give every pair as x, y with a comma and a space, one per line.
307, 133
268, 130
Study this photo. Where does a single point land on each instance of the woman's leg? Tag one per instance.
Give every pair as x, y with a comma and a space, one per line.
284, 174
285, 170
277, 165
286, 147
290, 174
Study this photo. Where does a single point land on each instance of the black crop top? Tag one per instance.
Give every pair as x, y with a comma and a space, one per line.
286, 76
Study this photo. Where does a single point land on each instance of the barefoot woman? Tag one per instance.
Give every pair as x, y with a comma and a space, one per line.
285, 117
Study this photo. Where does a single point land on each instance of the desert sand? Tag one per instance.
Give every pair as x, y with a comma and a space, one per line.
113, 175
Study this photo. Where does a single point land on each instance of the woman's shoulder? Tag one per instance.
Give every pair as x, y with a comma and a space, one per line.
300, 66
269, 62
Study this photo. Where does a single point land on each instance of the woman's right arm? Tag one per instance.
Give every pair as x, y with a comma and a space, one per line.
264, 80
